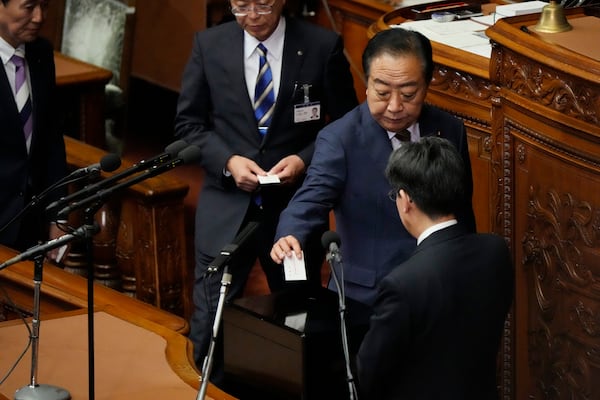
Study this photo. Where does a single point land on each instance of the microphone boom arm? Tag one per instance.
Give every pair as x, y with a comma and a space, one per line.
31, 253
102, 194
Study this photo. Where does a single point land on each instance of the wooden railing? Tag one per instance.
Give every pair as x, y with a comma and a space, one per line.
141, 247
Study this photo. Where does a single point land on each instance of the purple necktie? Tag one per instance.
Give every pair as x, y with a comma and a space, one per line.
22, 97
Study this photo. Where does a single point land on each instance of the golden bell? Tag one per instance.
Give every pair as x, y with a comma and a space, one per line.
553, 19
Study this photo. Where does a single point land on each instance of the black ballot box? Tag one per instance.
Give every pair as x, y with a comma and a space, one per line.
288, 345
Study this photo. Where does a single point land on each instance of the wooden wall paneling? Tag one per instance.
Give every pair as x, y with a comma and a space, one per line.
352, 19
163, 38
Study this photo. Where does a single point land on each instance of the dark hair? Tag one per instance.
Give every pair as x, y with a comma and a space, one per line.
433, 174
398, 41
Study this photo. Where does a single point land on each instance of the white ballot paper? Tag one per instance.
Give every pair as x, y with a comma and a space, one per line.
268, 179
294, 268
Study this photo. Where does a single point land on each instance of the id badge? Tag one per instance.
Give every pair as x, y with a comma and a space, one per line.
307, 112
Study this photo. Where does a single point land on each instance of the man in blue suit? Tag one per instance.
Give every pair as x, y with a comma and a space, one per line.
347, 171
32, 154
439, 316
216, 112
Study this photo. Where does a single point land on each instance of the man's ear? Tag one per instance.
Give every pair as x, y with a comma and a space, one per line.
404, 195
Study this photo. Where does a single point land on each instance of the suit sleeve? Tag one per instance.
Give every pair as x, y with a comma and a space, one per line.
54, 147
193, 122
310, 206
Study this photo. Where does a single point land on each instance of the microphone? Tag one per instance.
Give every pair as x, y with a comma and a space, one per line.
331, 242
170, 152
189, 154
32, 252
231, 249
108, 163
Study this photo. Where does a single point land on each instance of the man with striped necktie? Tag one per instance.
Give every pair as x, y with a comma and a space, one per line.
246, 101
32, 151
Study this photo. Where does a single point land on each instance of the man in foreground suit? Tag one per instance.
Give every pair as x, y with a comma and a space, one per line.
439, 316
32, 152
306, 69
347, 171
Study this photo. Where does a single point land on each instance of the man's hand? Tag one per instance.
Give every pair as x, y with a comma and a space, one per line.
289, 169
284, 247
244, 172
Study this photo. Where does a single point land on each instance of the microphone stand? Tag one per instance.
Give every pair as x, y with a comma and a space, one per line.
208, 360
225, 256
88, 220
335, 259
92, 203
35, 391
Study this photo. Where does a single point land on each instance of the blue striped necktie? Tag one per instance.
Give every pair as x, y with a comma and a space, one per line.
264, 95
22, 97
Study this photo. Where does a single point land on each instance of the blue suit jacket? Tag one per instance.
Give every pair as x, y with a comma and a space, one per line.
23, 174
215, 113
347, 175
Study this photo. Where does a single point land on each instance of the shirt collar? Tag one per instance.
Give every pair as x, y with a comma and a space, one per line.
274, 43
435, 228
7, 51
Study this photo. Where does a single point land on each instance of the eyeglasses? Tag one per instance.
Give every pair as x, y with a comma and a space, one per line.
393, 194
260, 9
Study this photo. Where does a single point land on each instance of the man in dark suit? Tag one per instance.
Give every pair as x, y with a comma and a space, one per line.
32, 154
347, 171
439, 316
215, 111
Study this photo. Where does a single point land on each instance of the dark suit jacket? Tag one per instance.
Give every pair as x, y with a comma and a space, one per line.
438, 319
215, 112
22, 174
347, 174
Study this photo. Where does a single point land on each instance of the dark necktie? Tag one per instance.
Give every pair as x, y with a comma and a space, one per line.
403, 136
264, 95
22, 97
399, 138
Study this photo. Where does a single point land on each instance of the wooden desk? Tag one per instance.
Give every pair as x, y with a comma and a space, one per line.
134, 358
63, 291
546, 138
80, 88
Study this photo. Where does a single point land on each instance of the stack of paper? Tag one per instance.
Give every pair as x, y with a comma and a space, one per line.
527, 7
467, 35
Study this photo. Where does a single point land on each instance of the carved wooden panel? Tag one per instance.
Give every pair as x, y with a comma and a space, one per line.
557, 249
556, 90
469, 97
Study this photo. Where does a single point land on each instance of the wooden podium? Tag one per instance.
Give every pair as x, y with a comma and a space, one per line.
546, 158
